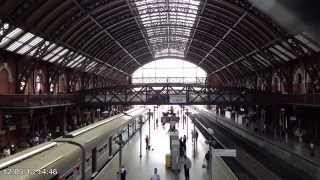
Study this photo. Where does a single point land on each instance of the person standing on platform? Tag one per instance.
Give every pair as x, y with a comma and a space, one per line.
196, 136
184, 142
207, 159
147, 143
123, 173
187, 166
181, 147
155, 176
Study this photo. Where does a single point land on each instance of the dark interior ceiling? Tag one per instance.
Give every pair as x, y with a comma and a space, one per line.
228, 38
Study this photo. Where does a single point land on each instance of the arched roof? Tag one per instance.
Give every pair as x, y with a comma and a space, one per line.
227, 38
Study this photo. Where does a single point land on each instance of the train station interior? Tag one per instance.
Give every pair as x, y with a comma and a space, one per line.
159, 89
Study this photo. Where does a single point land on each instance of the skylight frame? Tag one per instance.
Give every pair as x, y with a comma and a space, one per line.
161, 19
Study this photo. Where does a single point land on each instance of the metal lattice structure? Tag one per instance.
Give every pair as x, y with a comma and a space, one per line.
187, 94
112, 38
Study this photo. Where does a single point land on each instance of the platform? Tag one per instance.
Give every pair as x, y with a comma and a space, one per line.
292, 152
155, 158
292, 145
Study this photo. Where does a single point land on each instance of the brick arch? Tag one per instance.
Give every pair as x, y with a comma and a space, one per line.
261, 84
78, 84
6, 78
40, 74
62, 84
276, 83
6, 67
299, 82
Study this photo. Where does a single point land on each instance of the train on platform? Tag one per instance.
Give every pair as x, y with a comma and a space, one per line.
78, 155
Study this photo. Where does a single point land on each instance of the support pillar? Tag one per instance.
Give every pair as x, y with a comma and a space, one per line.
79, 116
64, 121
32, 123
45, 124
1, 120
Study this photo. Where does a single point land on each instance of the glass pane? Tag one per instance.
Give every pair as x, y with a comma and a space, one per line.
154, 13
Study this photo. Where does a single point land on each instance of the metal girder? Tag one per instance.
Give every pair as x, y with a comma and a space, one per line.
144, 35
105, 31
97, 60
244, 57
225, 35
196, 26
186, 94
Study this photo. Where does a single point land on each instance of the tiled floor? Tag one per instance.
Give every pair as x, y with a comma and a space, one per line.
140, 169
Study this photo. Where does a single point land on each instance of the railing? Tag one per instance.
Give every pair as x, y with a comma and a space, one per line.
182, 80
311, 99
37, 100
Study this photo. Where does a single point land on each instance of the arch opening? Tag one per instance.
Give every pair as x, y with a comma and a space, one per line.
169, 70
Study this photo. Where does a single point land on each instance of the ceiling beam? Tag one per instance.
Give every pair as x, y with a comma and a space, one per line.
245, 56
94, 58
104, 30
144, 35
195, 27
225, 35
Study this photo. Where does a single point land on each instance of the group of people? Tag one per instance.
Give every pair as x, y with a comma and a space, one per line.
195, 136
186, 162
187, 165
8, 150
123, 174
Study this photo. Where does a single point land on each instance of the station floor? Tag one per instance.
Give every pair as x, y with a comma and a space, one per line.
142, 168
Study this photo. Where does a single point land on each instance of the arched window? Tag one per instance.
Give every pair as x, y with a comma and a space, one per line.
62, 84
298, 84
299, 78
38, 84
276, 84
169, 70
51, 85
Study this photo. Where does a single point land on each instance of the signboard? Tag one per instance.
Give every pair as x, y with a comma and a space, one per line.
225, 152
177, 99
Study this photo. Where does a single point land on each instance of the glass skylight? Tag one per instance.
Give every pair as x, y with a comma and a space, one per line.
168, 24
304, 38
25, 43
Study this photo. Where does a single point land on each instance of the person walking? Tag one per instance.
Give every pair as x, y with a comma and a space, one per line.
123, 173
187, 166
311, 149
155, 176
147, 143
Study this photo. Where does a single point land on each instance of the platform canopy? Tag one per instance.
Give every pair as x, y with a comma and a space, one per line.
227, 38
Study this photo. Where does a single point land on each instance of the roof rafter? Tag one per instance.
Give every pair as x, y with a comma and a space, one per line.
226, 35
140, 27
195, 26
104, 30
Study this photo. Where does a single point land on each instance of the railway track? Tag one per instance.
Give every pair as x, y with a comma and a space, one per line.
277, 167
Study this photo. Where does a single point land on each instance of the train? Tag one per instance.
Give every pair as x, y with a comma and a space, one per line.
78, 155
